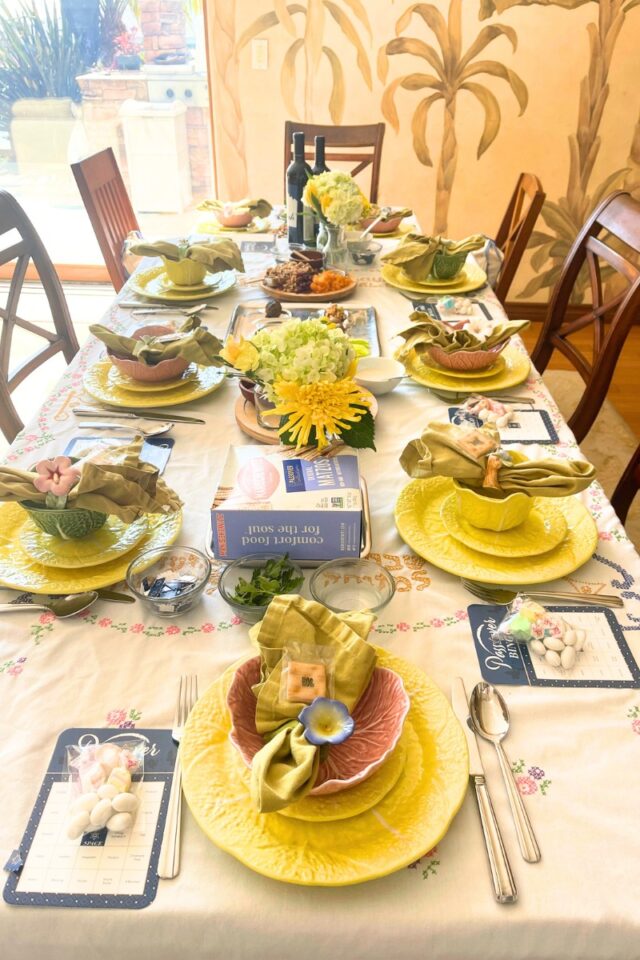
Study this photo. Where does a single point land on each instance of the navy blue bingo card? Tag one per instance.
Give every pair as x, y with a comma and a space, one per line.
606, 660
102, 868
526, 426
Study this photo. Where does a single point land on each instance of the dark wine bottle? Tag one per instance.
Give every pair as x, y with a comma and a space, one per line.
320, 165
299, 220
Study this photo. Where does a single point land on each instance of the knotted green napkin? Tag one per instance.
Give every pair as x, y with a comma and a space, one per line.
115, 482
428, 332
285, 769
446, 450
401, 212
259, 208
195, 344
415, 253
223, 254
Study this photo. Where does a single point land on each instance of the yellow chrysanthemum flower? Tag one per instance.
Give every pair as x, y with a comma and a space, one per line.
329, 407
241, 354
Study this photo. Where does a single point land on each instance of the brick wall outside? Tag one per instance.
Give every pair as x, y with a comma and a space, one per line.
163, 26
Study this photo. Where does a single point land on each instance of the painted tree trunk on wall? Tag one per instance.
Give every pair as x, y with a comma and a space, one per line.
228, 125
446, 167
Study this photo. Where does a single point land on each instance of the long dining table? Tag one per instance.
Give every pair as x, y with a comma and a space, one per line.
576, 752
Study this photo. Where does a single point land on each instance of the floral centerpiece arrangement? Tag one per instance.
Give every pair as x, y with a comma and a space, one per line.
306, 369
128, 47
338, 202
70, 500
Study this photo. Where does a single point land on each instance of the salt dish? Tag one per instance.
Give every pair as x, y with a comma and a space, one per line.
379, 375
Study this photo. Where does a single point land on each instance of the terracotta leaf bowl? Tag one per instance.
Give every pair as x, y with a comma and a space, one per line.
466, 359
379, 717
159, 372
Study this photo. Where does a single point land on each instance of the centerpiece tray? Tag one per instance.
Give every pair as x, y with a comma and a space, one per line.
330, 297
399, 828
248, 318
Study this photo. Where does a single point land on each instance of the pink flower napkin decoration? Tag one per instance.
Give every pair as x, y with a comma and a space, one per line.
57, 476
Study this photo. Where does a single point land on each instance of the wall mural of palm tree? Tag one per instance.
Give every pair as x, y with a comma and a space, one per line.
315, 16
454, 71
565, 217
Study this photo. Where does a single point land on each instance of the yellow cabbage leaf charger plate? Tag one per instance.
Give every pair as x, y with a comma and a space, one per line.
418, 515
471, 277
155, 285
497, 367
110, 541
543, 530
120, 381
410, 813
514, 371
19, 571
98, 382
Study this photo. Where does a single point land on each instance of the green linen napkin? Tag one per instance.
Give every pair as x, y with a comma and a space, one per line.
401, 212
259, 208
223, 254
428, 332
446, 450
285, 769
415, 253
115, 482
197, 345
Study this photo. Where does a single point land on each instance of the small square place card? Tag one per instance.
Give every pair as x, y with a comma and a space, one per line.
526, 426
605, 661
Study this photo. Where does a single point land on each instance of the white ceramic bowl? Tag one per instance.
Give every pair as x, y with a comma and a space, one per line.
379, 375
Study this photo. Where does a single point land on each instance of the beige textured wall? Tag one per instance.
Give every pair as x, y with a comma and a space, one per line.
577, 76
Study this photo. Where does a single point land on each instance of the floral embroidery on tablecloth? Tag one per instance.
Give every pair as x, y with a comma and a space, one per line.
403, 627
428, 864
634, 715
530, 780
125, 719
47, 622
13, 668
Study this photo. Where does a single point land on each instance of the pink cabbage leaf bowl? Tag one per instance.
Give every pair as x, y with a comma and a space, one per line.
466, 359
379, 717
157, 373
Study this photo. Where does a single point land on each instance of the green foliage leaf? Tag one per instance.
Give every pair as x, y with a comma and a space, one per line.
351, 34
336, 101
267, 581
491, 114
545, 279
361, 434
540, 257
559, 221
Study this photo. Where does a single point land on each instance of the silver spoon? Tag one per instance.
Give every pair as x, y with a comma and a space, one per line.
383, 213
144, 431
490, 718
60, 607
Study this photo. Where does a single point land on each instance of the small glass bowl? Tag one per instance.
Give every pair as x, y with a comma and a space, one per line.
242, 568
173, 563
352, 584
363, 252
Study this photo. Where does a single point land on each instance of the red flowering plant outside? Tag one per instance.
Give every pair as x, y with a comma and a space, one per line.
128, 43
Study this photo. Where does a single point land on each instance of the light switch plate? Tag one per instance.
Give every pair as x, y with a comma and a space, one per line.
259, 53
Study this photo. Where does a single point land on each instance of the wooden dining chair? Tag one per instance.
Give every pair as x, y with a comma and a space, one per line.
361, 145
107, 202
608, 245
627, 487
24, 246
516, 229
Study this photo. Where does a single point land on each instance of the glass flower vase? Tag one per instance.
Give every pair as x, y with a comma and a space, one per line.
334, 247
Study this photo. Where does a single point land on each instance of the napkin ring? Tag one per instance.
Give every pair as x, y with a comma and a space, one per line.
492, 468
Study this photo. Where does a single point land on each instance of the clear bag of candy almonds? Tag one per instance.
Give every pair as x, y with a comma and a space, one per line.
548, 636
104, 783
478, 410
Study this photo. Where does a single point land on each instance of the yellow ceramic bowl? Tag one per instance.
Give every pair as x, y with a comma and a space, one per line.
185, 273
491, 510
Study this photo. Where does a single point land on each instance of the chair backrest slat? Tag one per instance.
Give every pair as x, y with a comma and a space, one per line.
608, 249
338, 141
109, 208
62, 339
516, 228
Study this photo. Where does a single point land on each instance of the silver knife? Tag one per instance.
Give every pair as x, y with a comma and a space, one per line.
115, 597
120, 414
504, 885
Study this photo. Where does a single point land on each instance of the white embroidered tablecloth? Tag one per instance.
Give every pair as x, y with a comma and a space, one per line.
576, 751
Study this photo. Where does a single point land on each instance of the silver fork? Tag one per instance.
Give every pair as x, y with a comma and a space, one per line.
492, 594
169, 859
453, 397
